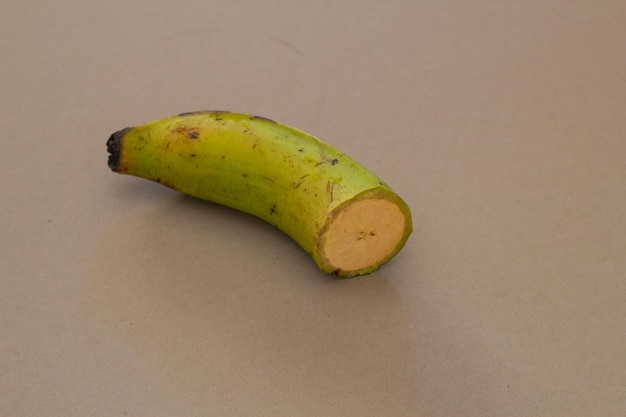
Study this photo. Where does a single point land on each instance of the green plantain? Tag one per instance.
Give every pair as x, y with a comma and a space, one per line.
337, 210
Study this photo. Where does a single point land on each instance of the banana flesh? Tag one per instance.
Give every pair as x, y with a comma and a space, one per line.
336, 209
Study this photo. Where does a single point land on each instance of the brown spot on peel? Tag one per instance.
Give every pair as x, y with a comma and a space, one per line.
299, 183
186, 131
262, 118
330, 190
211, 112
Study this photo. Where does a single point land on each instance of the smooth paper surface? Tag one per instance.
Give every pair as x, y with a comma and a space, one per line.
502, 124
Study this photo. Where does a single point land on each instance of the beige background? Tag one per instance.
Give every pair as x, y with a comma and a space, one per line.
503, 125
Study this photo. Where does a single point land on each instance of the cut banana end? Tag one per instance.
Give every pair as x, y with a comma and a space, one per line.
363, 236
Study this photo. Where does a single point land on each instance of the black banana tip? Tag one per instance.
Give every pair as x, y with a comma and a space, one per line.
114, 147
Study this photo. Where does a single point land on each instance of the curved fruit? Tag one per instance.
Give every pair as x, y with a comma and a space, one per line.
340, 212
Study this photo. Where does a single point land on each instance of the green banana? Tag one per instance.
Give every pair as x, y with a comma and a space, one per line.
337, 210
